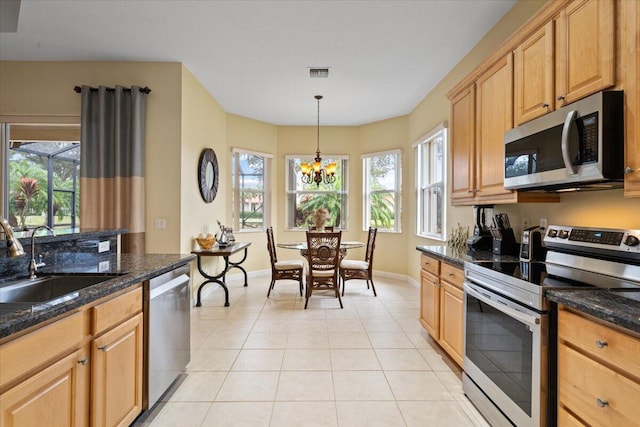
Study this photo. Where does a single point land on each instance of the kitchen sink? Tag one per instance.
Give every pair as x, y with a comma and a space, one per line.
48, 289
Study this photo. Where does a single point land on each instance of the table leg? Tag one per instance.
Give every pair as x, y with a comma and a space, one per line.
237, 265
214, 279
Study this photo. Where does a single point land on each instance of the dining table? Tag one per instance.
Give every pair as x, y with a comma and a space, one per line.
302, 246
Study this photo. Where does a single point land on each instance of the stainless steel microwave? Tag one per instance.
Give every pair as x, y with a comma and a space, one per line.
580, 145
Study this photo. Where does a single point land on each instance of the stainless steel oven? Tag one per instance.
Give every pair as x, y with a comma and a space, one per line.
509, 357
505, 356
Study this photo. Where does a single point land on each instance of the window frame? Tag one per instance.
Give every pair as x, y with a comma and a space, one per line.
397, 190
344, 193
419, 146
266, 190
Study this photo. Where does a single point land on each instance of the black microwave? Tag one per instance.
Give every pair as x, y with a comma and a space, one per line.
579, 146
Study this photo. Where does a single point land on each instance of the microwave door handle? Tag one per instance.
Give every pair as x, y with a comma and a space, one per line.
566, 156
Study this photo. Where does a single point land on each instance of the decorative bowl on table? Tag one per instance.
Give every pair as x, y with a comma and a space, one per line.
206, 243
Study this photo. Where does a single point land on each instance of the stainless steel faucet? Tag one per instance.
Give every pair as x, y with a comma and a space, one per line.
13, 244
33, 265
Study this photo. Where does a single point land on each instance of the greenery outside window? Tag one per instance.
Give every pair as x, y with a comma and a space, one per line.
382, 183
304, 199
430, 154
43, 184
251, 199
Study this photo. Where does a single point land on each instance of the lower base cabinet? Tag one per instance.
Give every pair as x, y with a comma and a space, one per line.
83, 370
441, 304
116, 386
56, 396
598, 373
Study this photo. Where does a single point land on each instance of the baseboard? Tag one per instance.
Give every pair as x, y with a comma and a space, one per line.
239, 277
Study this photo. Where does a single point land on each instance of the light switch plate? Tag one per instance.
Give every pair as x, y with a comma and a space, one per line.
160, 223
103, 246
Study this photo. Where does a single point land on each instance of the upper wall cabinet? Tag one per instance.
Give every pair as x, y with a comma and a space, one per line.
463, 129
630, 56
533, 76
585, 49
576, 50
494, 116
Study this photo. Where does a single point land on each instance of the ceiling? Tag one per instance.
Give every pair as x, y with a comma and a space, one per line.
253, 56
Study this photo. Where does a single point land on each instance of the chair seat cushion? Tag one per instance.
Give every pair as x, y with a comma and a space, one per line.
323, 273
354, 265
288, 265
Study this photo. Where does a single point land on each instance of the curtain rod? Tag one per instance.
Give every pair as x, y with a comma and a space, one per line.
78, 89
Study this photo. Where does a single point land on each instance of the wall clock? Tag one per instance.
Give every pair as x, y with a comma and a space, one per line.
208, 175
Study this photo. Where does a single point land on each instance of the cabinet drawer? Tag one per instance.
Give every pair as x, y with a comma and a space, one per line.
616, 348
451, 274
432, 265
23, 354
567, 419
116, 310
601, 396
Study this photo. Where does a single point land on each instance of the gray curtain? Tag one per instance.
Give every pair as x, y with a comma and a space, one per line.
112, 194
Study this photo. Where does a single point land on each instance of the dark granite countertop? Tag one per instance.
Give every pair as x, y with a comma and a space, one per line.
129, 268
620, 307
459, 256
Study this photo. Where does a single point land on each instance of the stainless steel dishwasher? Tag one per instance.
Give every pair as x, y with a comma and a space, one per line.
167, 331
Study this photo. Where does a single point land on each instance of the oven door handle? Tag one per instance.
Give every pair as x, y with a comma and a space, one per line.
523, 317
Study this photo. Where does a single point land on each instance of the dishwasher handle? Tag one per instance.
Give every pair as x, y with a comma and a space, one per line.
166, 287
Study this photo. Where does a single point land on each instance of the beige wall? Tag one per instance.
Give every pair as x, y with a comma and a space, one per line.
261, 137
46, 89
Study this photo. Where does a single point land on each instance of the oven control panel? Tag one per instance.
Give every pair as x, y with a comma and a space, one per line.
585, 238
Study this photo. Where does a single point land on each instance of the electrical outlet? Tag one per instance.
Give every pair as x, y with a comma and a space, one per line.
161, 223
103, 266
525, 223
543, 223
103, 246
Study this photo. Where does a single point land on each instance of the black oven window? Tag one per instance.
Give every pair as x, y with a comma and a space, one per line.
502, 348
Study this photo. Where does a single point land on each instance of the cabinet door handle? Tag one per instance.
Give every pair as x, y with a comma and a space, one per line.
545, 105
601, 344
83, 361
470, 191
103, 347
561, 98
451, 274
602, 403
628, 170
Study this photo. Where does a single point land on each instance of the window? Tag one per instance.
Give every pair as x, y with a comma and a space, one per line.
382, 183
42, 177
250, 198
304, 199
430, 151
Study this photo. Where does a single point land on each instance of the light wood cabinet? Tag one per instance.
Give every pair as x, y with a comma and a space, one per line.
441, 304
83, 369
585, 49
451, 320
566, 59
598, 373
630, 58
55, 396
463, 106
430, 296
494, 116
116, 380
533, 74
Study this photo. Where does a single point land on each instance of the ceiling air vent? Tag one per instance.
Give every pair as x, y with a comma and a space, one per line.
319, 73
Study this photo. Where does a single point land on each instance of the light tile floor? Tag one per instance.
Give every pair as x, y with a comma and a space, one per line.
268, 362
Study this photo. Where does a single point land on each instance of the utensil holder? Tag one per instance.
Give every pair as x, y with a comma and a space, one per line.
504, 242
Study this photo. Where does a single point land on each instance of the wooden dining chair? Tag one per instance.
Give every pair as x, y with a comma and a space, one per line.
362, 270
323, 256
282, 270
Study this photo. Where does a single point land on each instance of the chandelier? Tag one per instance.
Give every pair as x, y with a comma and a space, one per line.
314, 172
